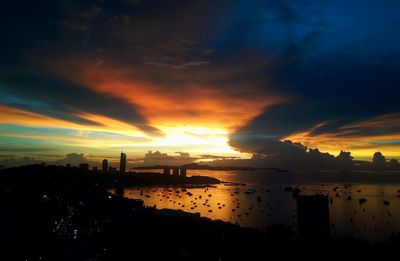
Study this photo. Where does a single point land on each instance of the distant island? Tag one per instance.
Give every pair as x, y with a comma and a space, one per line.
196, 166
112, 179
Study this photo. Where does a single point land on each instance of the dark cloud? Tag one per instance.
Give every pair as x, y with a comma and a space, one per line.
75, 26
18, 161
75, 157
334, 94
289, 155
334, 82
71, 158
216, 157
58, 98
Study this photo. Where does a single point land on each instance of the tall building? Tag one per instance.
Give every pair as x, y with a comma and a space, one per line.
313, 217
175, 171
122, 162
183, 171
167, 171
105, 165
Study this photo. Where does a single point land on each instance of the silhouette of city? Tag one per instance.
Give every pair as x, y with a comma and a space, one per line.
69, 212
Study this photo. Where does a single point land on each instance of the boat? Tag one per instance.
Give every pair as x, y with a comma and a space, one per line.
250, 191
362, 201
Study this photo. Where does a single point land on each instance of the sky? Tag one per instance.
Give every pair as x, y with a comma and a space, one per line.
208, 78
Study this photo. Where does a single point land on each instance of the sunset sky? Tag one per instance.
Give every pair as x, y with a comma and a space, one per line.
226, 78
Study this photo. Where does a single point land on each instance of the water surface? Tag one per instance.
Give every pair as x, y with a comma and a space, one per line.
373, 220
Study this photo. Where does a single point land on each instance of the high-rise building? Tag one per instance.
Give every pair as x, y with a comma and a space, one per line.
183, 171
105, 165
313, 217
175, 171
122, 162
167, 171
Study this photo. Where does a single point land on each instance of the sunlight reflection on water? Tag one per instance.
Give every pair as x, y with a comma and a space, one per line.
270, 204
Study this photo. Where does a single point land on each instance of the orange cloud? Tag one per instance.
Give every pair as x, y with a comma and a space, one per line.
361, 138
10, 115
186, 104
197, 103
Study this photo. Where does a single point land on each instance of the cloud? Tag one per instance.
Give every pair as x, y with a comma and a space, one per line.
18, 161
158, 158
216, 157
132, 2
344, 89
71, 158
75, 158
92, 12
58, 98
76, 27
164, 67
315, 72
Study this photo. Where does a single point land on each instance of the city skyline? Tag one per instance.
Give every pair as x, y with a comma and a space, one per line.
300, 161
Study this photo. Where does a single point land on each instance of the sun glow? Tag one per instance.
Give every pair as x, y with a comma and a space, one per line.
112, 135
196, 139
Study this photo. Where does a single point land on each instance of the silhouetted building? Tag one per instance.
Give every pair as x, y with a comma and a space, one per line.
313, 217
122, 162
167, 171
84, 166
95, 169
394, 164
105, 165
183, 171
119, 190
175, 171
112, 169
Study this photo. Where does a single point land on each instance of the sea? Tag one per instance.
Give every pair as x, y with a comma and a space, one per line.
363, 205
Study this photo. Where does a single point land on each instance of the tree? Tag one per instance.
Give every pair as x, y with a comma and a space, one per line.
344, 159
378, 160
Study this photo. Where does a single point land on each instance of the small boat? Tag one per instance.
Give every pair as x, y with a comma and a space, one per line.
362, 201
250, 191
